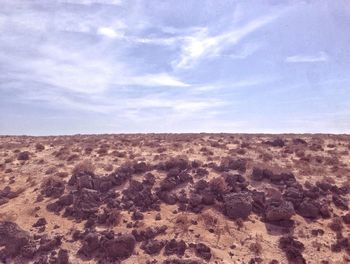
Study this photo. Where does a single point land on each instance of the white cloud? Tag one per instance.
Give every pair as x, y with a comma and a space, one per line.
91, 2
253, 81
321, 57
157, 41
160, 79
108, 32
196, 106
180, 105
201, 44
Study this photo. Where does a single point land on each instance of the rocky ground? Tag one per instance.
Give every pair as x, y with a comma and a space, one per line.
175, 199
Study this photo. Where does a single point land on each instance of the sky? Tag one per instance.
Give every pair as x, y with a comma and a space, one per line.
133, 66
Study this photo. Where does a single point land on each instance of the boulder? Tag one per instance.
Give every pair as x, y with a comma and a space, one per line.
279, 210
238, 205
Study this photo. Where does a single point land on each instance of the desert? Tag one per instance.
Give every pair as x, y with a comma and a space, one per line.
175, 198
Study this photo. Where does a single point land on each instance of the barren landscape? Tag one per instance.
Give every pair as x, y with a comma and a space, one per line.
175, 199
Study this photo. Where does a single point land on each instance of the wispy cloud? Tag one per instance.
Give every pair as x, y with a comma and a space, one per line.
321, 57
201, 44
108, 32
91, 2
243, 83
159, 79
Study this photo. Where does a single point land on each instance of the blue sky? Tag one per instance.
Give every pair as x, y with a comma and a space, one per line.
117, 66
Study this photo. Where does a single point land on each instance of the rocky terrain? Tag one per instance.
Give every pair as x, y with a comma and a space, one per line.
175, 199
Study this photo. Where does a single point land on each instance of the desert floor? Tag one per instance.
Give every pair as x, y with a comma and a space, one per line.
175, 198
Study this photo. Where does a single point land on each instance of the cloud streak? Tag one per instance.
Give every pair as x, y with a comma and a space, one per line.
202, 44
321, 57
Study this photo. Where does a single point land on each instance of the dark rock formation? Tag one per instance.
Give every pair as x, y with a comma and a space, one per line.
238, 205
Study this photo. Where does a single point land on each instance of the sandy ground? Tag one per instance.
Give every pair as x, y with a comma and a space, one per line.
319, 158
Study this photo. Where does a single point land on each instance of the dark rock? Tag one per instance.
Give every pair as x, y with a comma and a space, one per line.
85, 181
317, 232
150, 179
279, 210
137, 216
293, 249
195, 203
238, 205
229, 163
48, 244
208, 198
120, 247
255, 260
336, 224
148, 233
90, 245
341, 243
313, 192
294, 195
278, 142
158, 217
141, 167
86, 203
340, 202
201, 185
40, 222
109, 217
3, 200
202, 251
141, 196
259, 202
152, 247
236, 182
53, 188
299, 141
7, 193
167, 197
15, 241
62, 257
324, 210
201, 172
309, 209
346, 218
257, 174
180, 261
175, 247
177, 162
324, 186
24, 155
54, 207
28, 251
65, 200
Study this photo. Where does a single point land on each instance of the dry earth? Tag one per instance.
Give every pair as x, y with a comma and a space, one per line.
180, 199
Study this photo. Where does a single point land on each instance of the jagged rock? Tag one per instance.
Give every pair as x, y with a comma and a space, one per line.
40, 222
152, 247
15, 241
120, 247
202, 251
309, 209
340, 202
279, 210
62, 257
53, 188
173, 247
238, 205
293, 249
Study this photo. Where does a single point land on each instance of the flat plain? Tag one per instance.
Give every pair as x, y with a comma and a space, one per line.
175, 198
